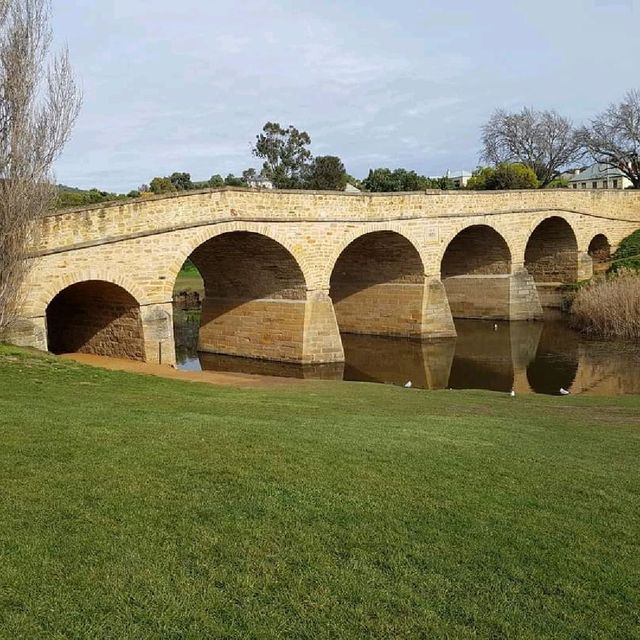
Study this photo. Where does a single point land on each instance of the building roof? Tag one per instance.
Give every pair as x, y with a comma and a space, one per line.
597, 172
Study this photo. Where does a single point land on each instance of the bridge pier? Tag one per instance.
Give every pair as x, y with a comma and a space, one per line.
585, 266
409, 310
27, 332
157, 330
437, 321
508, 296
321, 342
286, 330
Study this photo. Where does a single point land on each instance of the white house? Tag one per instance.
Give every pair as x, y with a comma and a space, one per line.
599, 176
259, 182
459, 178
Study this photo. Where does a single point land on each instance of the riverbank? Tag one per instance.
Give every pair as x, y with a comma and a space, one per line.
140, 507
166, 371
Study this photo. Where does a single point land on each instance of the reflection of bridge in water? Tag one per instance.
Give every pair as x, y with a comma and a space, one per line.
529, 357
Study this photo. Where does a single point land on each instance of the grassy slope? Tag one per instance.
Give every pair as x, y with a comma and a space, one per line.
136, 507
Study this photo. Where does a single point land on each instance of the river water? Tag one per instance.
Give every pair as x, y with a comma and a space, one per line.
528, 357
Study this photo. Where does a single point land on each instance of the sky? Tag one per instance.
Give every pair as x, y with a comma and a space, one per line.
186, 86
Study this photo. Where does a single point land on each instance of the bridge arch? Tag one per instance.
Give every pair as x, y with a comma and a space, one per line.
551, 253
599, 248
188, 241
37, 304
98, 317
377, 285
476, 272
255, 297
476, 250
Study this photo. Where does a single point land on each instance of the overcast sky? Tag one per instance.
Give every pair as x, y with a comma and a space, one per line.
186, 85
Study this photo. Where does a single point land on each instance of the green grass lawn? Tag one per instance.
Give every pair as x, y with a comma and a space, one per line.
137, 507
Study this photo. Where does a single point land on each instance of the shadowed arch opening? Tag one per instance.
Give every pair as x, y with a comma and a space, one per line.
600, 248
552, 252
475, 271
254, 295
377, 286
476, 250
96, 317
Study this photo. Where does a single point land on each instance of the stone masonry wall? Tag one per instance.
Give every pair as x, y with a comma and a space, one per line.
267, 329
141, 245
479, 296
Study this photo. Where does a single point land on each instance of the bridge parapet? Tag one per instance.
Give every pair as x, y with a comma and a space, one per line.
166, 213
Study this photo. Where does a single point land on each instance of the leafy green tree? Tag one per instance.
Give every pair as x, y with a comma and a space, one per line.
388, 180
478, 179
558, 183
181, 181
162, 185
504, 177
249, 174
216, 181
233, 181
327, 172
285, 154
133, 194
443, 183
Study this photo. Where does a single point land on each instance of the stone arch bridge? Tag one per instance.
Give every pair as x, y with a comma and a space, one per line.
286, 272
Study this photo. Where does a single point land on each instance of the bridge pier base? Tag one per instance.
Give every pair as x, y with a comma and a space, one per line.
524, 301
437, 321
585, 266
27, 332
285, 330
408, 310
321, 341
509, 296
157, 329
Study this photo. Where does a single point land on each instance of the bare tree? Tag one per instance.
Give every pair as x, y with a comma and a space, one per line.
545, 141
613, 137
39, 103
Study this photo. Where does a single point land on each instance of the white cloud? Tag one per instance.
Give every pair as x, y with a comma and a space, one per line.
187, 86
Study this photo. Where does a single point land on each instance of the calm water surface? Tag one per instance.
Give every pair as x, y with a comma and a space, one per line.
530, 357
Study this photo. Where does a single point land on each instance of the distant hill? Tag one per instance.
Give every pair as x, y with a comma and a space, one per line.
74, 197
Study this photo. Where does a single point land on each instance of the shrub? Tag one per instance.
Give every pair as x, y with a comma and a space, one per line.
504, 176
609, 308
627, 256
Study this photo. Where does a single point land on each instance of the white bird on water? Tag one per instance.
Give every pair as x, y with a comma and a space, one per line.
495, 327
564, 392
408, 385
513, 393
